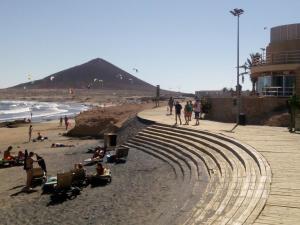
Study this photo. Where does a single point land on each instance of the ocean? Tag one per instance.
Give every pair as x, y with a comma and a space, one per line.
38, 111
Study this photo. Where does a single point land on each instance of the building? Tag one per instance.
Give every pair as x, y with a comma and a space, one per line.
278, 73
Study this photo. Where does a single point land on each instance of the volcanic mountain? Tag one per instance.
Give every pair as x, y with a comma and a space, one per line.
95, 74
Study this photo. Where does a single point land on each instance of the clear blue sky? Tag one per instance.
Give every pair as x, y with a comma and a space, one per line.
186, 45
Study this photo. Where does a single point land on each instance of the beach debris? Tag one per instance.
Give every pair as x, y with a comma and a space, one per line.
24, 87
131, 80
95, 80
52, 78
136, 70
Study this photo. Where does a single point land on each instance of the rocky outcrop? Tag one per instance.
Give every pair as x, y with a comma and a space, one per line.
97, 121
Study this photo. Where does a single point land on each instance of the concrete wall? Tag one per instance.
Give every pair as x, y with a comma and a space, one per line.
257, 109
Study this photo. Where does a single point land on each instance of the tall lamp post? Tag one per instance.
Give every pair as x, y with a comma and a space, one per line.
237, 12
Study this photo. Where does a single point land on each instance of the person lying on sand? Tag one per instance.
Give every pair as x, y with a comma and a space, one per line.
60, 145
98, 154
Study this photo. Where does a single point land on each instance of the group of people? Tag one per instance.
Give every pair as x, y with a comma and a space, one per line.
39, 135
7, 156
189, 108
66, 121
28, 167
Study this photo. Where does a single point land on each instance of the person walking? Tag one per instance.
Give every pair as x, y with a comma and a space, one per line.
66, 122
171, 104
29, 171
30, 133
178, 108
197, 110
186, 113
191, 110
60, 121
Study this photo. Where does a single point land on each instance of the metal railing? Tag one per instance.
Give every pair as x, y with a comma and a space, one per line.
283, 57
278, 91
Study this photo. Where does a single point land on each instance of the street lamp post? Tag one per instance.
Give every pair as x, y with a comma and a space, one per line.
237, 12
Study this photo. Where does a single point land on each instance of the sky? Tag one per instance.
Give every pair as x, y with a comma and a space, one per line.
180, 45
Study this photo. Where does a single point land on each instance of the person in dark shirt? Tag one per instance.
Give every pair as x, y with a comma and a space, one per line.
178, 109
41, 162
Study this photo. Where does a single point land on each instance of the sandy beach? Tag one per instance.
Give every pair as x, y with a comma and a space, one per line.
141, 190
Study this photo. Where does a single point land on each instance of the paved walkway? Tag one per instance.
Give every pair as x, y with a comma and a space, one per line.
280, 148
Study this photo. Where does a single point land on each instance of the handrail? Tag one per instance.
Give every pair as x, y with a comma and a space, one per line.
277, 91
285, 57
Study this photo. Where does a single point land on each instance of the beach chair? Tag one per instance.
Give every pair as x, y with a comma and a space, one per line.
64, 186
120, 155
38, 176
7, 163
49, 185
79, 177
96, 180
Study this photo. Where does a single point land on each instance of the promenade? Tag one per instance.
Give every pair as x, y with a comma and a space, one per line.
280, 148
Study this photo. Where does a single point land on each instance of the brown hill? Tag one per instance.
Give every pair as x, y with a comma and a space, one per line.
95, 74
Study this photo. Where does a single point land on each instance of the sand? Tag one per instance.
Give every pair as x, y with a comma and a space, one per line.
144, 190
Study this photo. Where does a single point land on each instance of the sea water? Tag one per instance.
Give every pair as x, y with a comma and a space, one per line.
38, 111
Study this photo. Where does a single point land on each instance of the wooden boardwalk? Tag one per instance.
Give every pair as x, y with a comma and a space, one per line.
280, 148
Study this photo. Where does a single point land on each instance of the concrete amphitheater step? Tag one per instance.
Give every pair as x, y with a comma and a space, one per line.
258, 176
221, 191
170, 160
173, 150
194, 184
229, 193
237, 174
179, 166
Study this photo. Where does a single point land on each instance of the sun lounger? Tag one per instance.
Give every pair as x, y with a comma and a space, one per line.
79, 177
64, 186
120, 155
38, 176
100, 179
49, 185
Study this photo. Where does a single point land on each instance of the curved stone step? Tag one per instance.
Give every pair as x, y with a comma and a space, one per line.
263, 184
194, 184
176, 167
168, 158
232, 187
256, 198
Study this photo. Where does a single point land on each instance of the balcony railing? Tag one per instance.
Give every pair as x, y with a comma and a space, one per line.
288, 57
278, 91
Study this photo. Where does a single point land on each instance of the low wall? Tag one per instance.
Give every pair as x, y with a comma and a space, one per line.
257, 109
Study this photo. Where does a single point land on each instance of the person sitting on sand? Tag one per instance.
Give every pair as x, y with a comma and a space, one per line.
7, 155
60, 145
39, 138
78, 168
21, 156
99, 169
